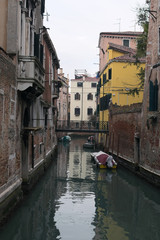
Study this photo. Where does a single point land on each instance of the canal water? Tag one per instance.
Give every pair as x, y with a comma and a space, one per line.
76, 201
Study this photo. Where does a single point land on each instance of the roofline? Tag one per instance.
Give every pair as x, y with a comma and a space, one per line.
126, 33
121, 48
121, 60
89, 79
122, 33
50, 45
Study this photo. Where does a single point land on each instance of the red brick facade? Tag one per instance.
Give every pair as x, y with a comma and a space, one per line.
150, 133
124, 128
9, 152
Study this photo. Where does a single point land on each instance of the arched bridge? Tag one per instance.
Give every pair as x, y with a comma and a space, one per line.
82, 126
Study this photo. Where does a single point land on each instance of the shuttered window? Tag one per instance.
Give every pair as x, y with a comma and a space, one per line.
42, 6
36, 45
153, 96
104, 102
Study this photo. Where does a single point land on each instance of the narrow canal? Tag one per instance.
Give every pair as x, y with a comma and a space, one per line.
76, 201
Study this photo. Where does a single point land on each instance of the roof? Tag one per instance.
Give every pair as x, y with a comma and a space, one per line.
121, 48
51, 46
87, 79
128, 58
127, 34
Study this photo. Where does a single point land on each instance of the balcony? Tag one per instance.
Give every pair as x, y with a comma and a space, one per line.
30, 76
56, 85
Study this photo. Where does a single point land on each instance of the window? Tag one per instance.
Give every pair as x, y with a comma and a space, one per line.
36, 45
126, 42
104, 78
13, 103
1, 109
26, 118
79, 84
159, 42
153, 96
77, 111
77, 96
90, 96
110, 73
90, 111
104, 102
94, 85
42, 6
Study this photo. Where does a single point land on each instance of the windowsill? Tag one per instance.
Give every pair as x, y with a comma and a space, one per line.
29, 129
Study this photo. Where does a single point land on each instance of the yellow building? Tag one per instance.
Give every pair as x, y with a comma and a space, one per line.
118, 77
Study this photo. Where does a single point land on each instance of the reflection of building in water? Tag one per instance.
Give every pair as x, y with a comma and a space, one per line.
62, 160
126, 207
78, 164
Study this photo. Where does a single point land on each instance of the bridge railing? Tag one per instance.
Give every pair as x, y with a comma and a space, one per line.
82, 125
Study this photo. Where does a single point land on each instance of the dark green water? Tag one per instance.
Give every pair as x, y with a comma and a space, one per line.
75, 201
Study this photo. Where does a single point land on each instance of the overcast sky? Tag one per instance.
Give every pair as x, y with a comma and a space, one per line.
74, 27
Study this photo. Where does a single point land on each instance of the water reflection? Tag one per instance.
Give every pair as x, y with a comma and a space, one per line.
75, 200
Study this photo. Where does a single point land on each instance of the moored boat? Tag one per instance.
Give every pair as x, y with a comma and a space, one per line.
88, 145
65, 139
104, 160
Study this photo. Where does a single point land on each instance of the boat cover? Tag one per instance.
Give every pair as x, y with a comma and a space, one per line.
102, 158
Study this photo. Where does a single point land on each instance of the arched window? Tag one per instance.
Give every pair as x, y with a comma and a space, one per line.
77, 111
77, 96
90, 96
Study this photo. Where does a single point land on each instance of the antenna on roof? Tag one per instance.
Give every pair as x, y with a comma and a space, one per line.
119, 23
47, 16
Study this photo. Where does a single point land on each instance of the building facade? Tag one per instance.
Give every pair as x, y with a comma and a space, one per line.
118, 78
28, 92
83, 98
150, 134
127, 39
63, 100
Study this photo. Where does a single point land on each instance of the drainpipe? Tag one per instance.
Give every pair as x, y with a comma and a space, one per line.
32, 149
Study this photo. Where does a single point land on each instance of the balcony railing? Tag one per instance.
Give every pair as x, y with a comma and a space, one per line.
30, 72
82, 126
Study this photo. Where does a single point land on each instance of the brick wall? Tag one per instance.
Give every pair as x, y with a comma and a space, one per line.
9, 150
124, 124
150, 133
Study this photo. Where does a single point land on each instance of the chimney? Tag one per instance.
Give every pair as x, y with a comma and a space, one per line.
61, 72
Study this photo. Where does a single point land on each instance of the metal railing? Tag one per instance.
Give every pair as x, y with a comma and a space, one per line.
81, 126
